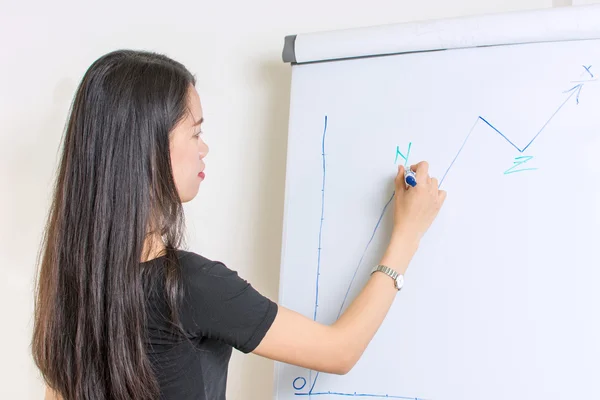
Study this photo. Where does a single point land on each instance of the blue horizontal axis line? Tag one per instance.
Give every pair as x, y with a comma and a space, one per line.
363, 395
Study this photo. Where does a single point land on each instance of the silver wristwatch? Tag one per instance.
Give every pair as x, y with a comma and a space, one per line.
398, 278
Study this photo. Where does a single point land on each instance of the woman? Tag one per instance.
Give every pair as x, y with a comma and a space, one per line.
121, 311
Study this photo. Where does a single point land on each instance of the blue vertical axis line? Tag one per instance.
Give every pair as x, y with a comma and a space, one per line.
356, 270
320, 235
322, 218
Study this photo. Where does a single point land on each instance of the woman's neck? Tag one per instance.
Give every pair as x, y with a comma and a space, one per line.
153, 247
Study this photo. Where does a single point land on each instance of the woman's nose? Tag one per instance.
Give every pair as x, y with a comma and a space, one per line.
203, 150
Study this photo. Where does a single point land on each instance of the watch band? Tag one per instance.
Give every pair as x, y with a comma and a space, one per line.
398, 279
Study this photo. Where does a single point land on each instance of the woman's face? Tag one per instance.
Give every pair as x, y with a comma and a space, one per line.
188, 150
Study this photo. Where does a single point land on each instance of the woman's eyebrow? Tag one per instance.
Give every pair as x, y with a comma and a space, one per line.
199, 122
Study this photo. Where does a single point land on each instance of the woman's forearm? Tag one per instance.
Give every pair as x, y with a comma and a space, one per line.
363, 317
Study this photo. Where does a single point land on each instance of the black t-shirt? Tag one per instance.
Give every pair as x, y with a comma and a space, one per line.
219, 311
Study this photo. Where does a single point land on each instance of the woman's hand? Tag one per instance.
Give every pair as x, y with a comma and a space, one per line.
416, 207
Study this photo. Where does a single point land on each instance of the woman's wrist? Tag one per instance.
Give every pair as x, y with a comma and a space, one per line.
402, 247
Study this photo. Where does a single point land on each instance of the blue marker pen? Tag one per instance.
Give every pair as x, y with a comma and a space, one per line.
409, 177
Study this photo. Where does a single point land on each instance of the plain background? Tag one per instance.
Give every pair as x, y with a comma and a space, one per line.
234, 48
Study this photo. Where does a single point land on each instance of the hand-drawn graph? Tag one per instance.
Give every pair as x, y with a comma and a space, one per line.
574, 91
300, 384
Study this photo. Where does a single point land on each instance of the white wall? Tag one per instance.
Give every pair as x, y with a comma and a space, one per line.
581, 2
234, 48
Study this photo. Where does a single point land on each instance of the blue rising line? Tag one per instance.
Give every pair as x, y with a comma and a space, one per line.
310, 392
321, 225
459, 151
364, 395
356, 271
364, 253
574, 90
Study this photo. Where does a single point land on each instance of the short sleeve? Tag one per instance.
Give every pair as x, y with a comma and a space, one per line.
219, 304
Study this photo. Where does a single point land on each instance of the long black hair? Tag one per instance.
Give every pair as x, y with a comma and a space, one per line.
114, 189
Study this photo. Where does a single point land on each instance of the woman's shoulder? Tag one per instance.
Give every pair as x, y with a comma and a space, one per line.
192, 259
194, 264
197, 274
190, 264
206, 279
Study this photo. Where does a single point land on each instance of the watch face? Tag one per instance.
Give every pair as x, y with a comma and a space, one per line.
399, 282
